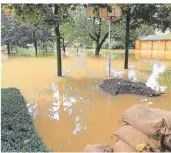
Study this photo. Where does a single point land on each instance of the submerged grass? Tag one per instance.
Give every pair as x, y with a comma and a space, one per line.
115, 54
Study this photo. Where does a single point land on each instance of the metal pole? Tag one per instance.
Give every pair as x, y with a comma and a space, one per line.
158, 49
109, 53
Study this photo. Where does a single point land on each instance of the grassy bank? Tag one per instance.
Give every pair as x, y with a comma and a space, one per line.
115, 54
17, 130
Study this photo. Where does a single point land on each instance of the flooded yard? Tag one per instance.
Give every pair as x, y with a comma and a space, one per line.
72, 111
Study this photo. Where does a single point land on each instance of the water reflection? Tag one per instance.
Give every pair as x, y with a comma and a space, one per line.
78, 127
67, 103
3, 59
132, 74
71, 112
66, 72
61, 102
152, 81
32, 108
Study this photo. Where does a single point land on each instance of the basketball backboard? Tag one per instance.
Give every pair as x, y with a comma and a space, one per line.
89, 11
114, 15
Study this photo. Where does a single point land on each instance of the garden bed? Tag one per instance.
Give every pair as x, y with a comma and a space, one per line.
116, 86
17, 130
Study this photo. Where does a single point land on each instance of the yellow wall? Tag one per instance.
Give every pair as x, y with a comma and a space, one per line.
168, 45
160, 46
153, 49
146, 45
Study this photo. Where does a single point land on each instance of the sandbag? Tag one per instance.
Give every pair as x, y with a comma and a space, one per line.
133, 138
121, 146
149, 121
167, 142
96, 148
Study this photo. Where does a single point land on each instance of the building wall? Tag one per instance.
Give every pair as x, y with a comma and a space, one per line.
153, 49
153, 45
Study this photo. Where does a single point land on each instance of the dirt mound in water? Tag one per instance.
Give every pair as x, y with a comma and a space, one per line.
118, 86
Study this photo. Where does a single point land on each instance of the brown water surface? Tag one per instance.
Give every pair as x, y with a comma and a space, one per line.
71, 111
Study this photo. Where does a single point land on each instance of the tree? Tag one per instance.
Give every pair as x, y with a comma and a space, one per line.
162, 18
14, 34
55, 19
68, 35
94, 27
41, 15
31, 15
133, 16
17, 34
7, 31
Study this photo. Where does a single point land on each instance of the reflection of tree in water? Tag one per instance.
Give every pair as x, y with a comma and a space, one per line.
61, 105
132, 76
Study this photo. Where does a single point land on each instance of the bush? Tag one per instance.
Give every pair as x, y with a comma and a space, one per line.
17, 130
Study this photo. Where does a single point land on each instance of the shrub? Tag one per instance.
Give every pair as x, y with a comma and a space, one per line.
17, 130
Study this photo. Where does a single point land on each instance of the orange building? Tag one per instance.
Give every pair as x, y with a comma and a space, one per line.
154, 47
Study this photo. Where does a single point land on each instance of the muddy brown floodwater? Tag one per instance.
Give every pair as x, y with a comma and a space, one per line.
71, 111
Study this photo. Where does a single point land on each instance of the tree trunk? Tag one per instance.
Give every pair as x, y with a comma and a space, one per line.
77, 50
63, 45
64, 49
46, 48
99, 44
35, 42
97, 50
16, 49
127, 38
58, 49
8, 48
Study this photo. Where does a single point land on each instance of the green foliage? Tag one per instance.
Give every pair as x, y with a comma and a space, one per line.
20, 34
30, 14
88, 29
27, 51
76, 27
17, 130
162, 19
68, 32
165, 81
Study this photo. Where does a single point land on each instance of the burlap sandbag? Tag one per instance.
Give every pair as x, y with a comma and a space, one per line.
149, 121
121, 146
167, 142
133, 138
96, 148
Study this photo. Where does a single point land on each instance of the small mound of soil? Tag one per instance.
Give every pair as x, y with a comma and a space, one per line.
118, 86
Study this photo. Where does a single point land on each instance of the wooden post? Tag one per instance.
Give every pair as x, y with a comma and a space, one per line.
165, 45
151, 49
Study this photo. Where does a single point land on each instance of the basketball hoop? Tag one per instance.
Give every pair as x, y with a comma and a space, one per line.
112, 16
89, 11
116, 14
7, 11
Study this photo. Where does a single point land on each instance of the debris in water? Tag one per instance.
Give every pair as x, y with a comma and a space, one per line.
149, 103
116, 86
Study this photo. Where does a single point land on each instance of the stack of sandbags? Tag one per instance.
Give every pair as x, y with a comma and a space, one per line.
132, 137
97, 148
146, 129
121, 146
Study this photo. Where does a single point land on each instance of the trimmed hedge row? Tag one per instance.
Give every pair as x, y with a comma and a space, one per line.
17, 130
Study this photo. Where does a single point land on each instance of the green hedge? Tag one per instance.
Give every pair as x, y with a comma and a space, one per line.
17, 130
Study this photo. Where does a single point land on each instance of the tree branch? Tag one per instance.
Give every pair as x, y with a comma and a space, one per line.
104, 38
99, 29
66, 44
91, 36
